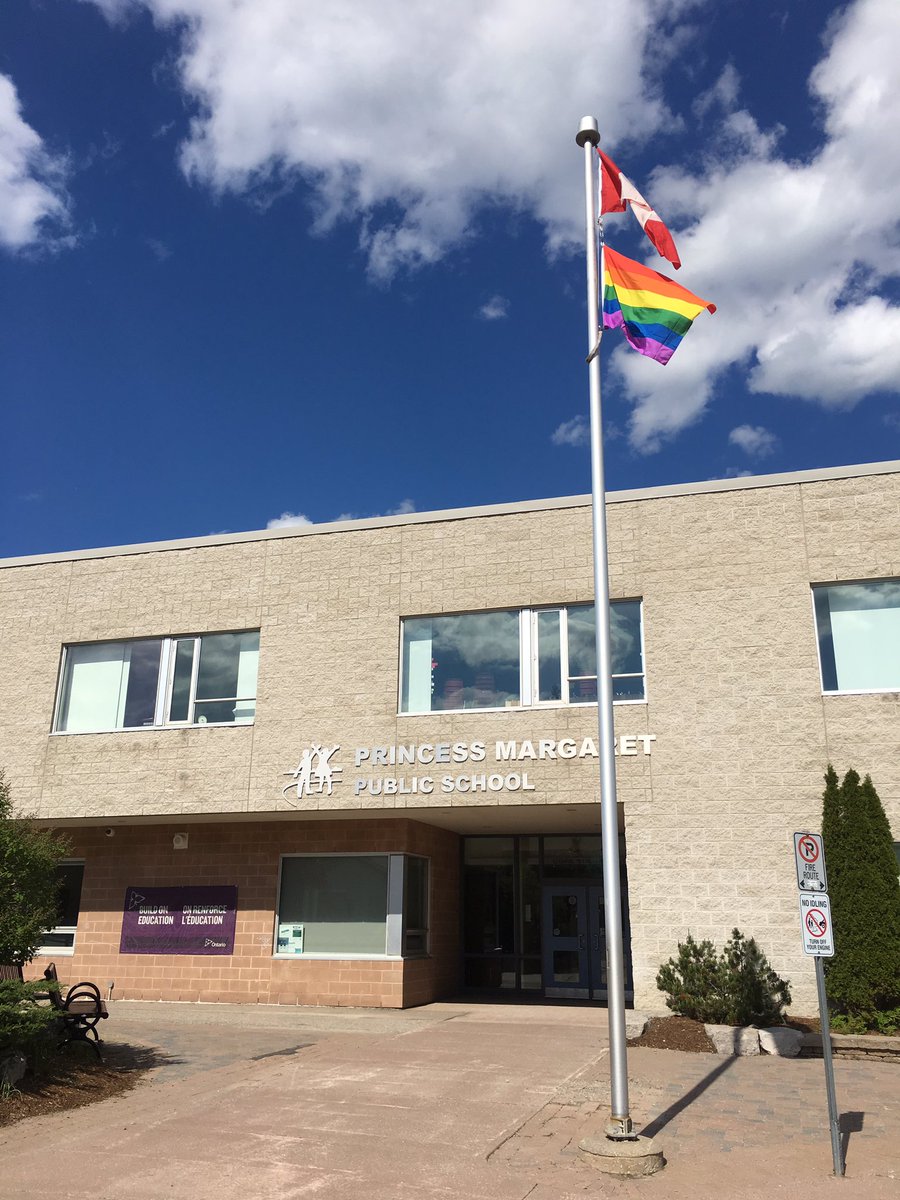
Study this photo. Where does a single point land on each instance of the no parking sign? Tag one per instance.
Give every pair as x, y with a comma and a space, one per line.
809, 855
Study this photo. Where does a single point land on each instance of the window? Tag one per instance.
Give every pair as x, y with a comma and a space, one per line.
415, 906
352, 906
193, 680
858, 626
516, 658
566, 655
465, 661
61, 938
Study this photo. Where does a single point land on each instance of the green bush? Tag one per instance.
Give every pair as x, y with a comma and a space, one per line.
694, 983
737, 987
23, 1021
756, 995
29, 881
863, 978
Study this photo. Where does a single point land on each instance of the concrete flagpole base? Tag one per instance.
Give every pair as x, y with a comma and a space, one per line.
627, 1159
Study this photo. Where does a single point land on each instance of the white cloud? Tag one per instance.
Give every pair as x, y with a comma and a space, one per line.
404, 507
755, 440
288, 520
406, 118
32, 196
722, 94
158, 248
494, 309
794, 253
576, 432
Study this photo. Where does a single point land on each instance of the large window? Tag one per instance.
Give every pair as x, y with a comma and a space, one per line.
352, 906
517, 657
61, 938
858, 626
192, 680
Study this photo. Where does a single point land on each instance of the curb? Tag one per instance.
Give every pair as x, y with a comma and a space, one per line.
866, 1047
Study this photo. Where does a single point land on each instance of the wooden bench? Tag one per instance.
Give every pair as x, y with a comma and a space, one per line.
11, 971
80, 1011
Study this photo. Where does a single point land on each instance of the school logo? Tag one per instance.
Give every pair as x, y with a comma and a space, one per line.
315, 774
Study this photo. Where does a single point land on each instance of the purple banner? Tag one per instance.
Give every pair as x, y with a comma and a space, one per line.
179, 920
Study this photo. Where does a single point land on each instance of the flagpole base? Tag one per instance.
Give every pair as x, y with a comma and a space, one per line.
628, 1159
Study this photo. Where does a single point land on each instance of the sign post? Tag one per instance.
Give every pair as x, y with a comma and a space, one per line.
818, 941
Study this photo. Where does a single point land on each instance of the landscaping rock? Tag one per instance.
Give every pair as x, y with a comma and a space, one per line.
783, 1042
733, 1039
12, 1068
635, 1024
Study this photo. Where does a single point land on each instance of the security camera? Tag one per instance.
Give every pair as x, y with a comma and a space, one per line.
109, 831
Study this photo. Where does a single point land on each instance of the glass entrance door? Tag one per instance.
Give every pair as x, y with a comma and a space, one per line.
574, 942
566, 956
597, 924
520, 931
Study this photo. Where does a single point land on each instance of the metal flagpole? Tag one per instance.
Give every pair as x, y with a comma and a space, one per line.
620, 1125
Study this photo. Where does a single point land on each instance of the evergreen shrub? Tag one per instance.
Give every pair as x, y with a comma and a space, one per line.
29, 882
23, 1021
863, 978
737, 987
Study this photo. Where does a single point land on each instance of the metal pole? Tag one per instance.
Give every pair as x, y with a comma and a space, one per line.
620, 1124
836, 1152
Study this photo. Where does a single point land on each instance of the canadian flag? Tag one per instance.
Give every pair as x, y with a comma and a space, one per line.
617, 191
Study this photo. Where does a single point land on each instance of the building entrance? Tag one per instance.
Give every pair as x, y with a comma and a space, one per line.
533, 915
574, 942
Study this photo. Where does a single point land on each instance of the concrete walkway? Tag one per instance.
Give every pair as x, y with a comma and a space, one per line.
447, 1101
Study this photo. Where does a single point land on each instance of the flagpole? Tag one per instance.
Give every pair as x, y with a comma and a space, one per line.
620, 1125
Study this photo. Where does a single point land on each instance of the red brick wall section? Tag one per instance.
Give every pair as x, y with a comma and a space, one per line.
247, 855
426, 979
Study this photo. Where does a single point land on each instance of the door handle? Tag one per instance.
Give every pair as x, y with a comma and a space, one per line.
596, 941
581, 941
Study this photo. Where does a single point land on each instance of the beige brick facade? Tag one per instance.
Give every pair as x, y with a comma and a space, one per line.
734, 702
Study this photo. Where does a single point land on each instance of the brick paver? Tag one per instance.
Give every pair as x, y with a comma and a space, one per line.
447, 1102
762, 1120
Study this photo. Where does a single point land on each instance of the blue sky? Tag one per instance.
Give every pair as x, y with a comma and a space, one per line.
269, 257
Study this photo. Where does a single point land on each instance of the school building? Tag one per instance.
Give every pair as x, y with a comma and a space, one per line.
356, 763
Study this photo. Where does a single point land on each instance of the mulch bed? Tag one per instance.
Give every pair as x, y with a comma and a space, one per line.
680, 1033
675, 1033
75, 1077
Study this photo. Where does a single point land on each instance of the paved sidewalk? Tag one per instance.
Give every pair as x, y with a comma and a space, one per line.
483, 1102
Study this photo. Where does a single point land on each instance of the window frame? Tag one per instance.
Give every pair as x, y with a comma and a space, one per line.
835, 583
65, 951
395, 914
565, 700
529, 649
164, 685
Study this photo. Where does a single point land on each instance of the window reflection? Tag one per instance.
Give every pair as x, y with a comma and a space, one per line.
858, 627
470, 660
510, 658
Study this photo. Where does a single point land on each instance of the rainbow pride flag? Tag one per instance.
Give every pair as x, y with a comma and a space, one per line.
654, 311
